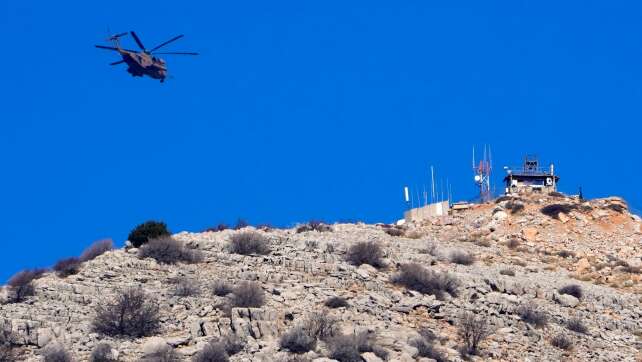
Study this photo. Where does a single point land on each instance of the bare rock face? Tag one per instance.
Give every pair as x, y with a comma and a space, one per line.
596, 246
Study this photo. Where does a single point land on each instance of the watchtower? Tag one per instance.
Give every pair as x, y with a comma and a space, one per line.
531, 177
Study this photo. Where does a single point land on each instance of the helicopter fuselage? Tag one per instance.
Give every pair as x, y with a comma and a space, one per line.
140, 64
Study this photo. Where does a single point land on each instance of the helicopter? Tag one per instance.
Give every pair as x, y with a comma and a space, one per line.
143, 62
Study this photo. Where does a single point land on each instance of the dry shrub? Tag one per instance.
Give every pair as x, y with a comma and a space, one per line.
473, 330
20, 285
572, 289
162, 353
530, 314
565, 254
240, 224
212, 352
102, 353
217, 228
348, 348
425, 345
483, 243
512, 243
167, 250
554, 210
297, 340
131, 313
366, 252
6, 346
576, 325
393, 231
56, 353
311, 245
248, 295
509, 272
314, 225
186, 287
461, 257
556, 194
67, 267
147, 231
336, 302
320, 326
221, 288
514, 207
416, 277
562, 342
249, 243
502, 199
96, 249
232, 344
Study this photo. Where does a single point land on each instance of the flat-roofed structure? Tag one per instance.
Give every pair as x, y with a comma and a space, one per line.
531, 177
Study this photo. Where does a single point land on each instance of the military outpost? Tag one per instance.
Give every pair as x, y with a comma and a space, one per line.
529, 178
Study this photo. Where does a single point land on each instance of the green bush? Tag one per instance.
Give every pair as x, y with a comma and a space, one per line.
147, 231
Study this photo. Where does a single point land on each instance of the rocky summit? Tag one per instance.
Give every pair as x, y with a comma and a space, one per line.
529, 278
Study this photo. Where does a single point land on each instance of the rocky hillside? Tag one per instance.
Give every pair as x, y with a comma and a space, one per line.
509, 263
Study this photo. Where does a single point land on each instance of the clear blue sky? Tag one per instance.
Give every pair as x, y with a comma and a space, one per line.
299, 110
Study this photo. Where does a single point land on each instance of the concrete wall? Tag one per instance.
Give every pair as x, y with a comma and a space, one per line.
432, 210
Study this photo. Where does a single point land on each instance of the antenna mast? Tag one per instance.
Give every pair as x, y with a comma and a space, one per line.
482, 173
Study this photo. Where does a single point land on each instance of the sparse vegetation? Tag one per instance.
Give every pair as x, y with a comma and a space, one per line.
311, 245
562, 342
617, 208
576, 325
513, 243
217, 228
20, 285
297, 340
56, 354
425, 345
509, 272
132, 313
415, 277
366, 252
565, 254
162, 353
249, 243
212, 352
336, 302
232, 344
240, 224
556, 194
530, 314
248, 295
572, 289
102, 353
314, 225
514, 207
485, 243
221, 288
461, 257
96, 249
321, 326
186, 287
67, 267
394, 231
348, 348
168, 250
473, 330
6, 346
554, 210
147, 231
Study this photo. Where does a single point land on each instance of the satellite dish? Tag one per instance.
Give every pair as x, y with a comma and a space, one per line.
477, 178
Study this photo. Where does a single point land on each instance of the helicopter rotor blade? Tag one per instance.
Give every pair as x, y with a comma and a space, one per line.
116, 49
178, 53
167, 42
140, 44
118, 62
